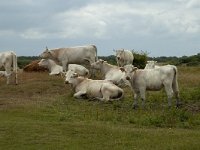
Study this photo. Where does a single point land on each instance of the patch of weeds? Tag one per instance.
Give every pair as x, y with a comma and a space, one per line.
65, 117
157, 121
132, 120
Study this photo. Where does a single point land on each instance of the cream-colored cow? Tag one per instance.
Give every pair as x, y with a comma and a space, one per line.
8, 60
124, 57
98, 89
72, 55
111, 72
142, 80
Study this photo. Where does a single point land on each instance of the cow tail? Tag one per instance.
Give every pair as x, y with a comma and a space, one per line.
175, 82
15, 67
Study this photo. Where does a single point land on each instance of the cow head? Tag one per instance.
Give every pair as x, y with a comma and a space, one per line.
43, 63
98, 64
119, 54
46, 54
129, 71
70, 77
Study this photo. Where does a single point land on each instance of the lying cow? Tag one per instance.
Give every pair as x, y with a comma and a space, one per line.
72, 55
52, 66
8, 60
124, 57
98, 89
57, 69
111, 73
79, 69
153, 79
151, 65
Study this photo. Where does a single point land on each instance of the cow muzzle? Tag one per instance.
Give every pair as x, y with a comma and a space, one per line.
66, 82
128, 78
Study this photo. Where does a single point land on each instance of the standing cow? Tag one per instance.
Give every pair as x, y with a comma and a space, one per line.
8, 60
124, 57
151, 65
153, 80
72, 55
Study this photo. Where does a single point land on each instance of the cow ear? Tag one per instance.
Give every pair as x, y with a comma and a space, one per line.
135, 68
101, 60
122, 69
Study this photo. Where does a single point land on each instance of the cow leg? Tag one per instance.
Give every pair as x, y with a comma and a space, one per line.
65, 65
106, 96
8, 73
88, 63
178, 103
92, 71
100, 99
8, 79
142, 94
135, 102
79, 94
169, 92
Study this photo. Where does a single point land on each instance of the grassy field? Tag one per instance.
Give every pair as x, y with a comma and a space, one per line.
40, 113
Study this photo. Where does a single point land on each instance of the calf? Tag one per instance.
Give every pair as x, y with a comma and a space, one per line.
98, 89
52, 66
79, 69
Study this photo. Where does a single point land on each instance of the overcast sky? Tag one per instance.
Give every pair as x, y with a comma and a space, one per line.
160, 27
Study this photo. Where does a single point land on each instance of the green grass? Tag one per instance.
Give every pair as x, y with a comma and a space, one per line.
40, 113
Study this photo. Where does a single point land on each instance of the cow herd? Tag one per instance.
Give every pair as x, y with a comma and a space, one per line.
69, 62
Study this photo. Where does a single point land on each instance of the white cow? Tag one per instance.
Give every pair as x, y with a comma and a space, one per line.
124, 57
153, 79
72, 55
2, 73
151, 65
111, 73
98, 89
56, 69
79, 69
8, 60
52, 66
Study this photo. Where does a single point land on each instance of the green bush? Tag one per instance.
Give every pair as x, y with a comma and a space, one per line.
25, 60
140, 59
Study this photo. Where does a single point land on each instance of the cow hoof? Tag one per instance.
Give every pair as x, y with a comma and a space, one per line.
135, 106
179, 105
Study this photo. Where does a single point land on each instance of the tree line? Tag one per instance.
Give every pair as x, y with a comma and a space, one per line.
140, 59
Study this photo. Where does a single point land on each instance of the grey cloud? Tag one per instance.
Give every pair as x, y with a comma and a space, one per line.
155, 26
